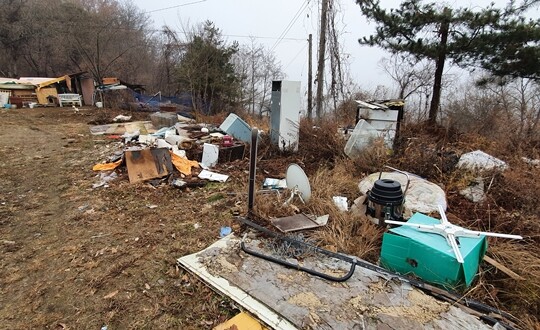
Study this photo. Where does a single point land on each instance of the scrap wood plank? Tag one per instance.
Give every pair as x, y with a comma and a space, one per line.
193, 264
502, 268
148, 164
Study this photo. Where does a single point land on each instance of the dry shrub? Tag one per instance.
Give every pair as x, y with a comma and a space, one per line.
261, 122
320, 142
345, 232
511, 206
426, 151
373, 158
517, 189
215, 119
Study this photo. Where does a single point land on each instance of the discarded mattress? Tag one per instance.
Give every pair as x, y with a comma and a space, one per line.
422, 195
284, 298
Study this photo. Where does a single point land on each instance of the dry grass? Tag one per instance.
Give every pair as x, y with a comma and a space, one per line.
347, 231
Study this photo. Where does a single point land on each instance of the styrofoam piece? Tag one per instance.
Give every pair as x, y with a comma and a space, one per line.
341, 203
161, 143
210, 155
264, 313
361, 138
479, 160
170, 132
212, 176
147, 139
178, 152
238, 128
173, 139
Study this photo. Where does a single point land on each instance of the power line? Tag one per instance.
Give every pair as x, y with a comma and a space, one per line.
172, 7
237, 35
295, 56
138, 29
291, 23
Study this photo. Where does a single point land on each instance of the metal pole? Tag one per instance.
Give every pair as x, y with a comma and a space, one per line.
252, 170
310, 78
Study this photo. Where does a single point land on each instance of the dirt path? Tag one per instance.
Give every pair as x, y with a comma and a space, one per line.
81, 258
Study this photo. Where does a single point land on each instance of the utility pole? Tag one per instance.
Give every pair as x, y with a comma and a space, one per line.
320, 66
310, 79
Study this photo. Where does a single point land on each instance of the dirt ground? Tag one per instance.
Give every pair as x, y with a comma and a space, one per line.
74, 257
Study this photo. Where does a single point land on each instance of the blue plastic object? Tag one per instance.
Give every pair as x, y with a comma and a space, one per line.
225, 231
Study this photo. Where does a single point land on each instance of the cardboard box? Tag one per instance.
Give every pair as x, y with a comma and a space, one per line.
406, 250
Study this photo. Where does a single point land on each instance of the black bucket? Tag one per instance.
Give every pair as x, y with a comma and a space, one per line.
385, 201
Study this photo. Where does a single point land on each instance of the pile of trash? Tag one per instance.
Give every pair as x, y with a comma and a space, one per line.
168, 149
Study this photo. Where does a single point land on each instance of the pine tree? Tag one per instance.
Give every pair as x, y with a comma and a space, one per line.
207, 71
498, 40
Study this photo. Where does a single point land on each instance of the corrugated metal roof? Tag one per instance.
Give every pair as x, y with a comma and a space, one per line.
371, 105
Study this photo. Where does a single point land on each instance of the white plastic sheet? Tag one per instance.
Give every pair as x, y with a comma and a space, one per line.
361, 138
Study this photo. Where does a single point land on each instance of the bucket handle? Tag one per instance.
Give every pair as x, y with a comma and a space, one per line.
399, 171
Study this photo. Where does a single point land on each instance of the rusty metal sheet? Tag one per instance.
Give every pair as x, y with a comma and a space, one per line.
294, 223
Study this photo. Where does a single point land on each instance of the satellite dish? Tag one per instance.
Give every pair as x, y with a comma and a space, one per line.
298, 183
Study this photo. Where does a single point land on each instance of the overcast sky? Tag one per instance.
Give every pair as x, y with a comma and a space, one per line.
267, 20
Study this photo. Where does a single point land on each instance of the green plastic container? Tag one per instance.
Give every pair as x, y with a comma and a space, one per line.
406, 250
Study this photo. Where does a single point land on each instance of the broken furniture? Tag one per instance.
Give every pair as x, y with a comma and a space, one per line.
383, 118
71, 99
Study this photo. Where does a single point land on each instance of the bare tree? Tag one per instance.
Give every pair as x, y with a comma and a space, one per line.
54, 37
114, 40
257, 67
520, 101
410, 75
